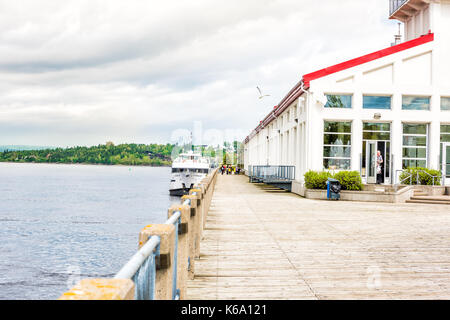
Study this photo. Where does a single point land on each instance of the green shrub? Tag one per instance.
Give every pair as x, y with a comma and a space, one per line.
424, 178
317, 180
349, 180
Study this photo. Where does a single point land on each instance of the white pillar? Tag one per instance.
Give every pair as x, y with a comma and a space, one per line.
397, 144
357, 137
434, 135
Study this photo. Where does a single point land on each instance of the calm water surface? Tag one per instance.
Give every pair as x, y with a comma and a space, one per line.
60, 223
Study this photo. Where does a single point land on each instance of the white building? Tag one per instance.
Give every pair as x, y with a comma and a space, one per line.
396, 100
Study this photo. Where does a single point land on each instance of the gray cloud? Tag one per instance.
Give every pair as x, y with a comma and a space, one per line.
83, 72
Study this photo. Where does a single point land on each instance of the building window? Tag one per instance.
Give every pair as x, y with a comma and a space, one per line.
445, 104
339, 101
337, 141
445, 133
415, 138
415, 103
377, 102
445, 138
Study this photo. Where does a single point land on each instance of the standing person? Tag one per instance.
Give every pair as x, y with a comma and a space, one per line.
222, 169
379, 168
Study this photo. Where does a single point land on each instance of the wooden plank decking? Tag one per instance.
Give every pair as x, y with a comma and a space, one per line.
260, 243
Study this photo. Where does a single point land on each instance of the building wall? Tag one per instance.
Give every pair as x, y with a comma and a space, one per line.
420, 71
406, 73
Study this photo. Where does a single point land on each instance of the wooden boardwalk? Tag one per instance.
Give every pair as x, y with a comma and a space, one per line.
260, 243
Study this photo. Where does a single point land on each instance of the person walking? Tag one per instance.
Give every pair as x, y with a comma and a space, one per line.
379, 168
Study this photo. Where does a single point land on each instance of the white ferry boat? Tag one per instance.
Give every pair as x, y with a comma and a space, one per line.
187, 170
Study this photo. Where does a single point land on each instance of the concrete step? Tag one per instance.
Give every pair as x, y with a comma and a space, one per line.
420, 193
425, 201
438, 198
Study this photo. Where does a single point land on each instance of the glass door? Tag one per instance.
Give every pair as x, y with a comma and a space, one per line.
376, 137
371, 161
445, 160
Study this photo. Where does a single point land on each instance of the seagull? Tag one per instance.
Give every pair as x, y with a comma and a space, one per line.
261, 95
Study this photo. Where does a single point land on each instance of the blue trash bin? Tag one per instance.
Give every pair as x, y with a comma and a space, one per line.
333, 189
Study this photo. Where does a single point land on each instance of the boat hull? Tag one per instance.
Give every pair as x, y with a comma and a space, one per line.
179, 192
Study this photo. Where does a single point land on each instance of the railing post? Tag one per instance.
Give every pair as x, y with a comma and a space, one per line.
165, 260
183, 246
205, 191
192, 233
200, 212
101, 289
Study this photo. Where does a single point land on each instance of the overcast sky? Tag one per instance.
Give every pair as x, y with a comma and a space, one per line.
86, 72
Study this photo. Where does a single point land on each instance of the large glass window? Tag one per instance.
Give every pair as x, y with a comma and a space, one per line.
445, 133
445, 103
415, 139
339, 101
415, 103
445, 140
377, 102
337, 141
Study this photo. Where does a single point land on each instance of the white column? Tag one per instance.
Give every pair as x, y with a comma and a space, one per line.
434, 135
357, 137
396, 144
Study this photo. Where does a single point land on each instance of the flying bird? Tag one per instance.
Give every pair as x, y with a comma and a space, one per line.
261, 95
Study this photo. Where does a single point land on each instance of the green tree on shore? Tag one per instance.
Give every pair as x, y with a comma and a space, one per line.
109, 154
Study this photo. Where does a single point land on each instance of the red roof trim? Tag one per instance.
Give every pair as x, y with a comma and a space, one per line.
296, 91
367, 58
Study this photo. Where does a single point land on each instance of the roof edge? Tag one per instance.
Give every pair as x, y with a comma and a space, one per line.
307, 78
304, 84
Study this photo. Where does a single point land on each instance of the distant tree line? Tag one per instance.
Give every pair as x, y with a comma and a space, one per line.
108, 154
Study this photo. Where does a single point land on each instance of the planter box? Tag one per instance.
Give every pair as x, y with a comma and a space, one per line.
298, 188
316, 194
383, 195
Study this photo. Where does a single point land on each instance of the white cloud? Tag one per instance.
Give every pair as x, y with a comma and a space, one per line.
83, 72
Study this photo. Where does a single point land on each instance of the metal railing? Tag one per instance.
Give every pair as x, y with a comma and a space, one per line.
401, 181
429, 174
410, 176
141, 268
273, 173
395, 4
166, 258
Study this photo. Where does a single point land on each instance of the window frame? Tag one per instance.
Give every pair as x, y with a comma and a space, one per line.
416, 96
441, 144
351, 95
381, 96
415, 146
442, 98
335, 145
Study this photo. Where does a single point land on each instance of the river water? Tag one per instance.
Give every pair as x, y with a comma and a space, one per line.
62, 223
